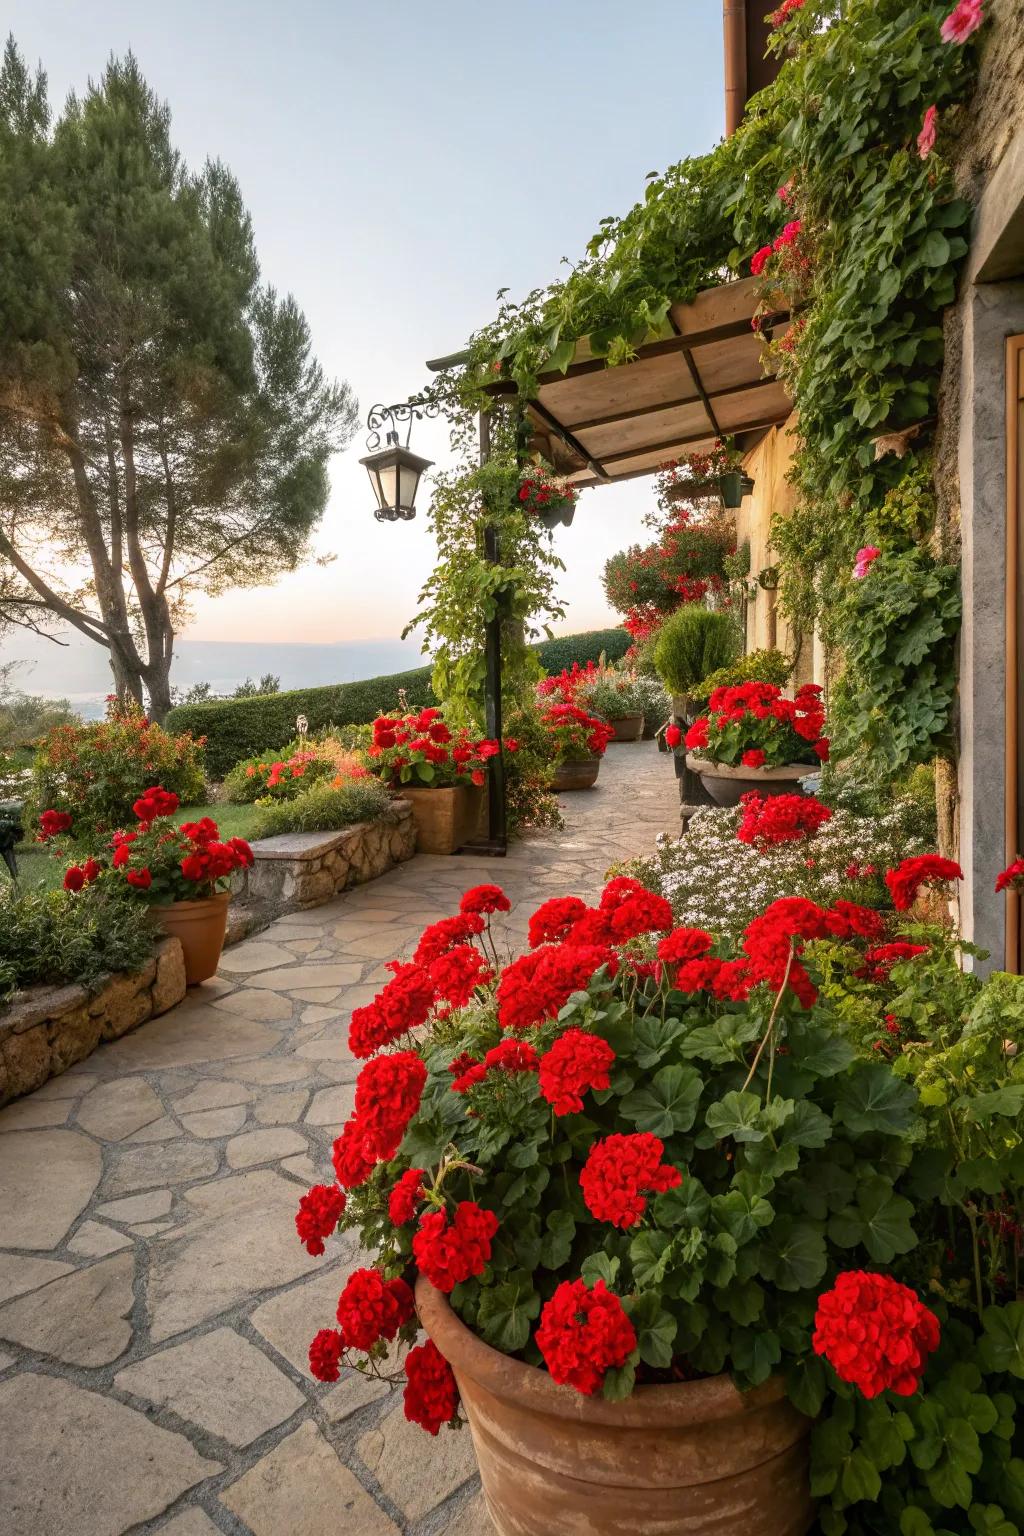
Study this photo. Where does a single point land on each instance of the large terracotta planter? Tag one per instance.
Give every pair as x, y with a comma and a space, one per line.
692, 1459
200, 926
580, 774
445, 818
628, 727
726, 785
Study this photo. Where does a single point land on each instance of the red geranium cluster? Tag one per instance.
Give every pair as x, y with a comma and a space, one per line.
880, 959
774, 941
1012, 877
406, 1196
538, 494
575, 735
52, 823
875, 1333
620, 1172
780, 818
760, 258
538, 985
576, 1063
583, 1334
507, 1056
449, 1252
567, 683
787, 9
421, 749
431, 1397
78, 875
372, 1308
388, 1091
906, 880
320, 1210
753, 724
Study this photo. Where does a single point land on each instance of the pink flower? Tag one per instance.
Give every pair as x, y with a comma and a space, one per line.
964, 19
758, 260
926, 138
865, 559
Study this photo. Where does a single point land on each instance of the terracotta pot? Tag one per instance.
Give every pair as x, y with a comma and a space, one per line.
725, 785
200, 926
580, 774
445, 818
628, 727
693, 1459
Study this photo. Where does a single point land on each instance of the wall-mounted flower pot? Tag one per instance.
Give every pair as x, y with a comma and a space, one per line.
445, 818
686, 1459
734, 486
200, 927
578, 773
627, 727
727, 785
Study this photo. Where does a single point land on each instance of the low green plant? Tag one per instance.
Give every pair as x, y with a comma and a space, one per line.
324, 808
692, 643
58, 936
277, 776
768, 666
613, 695
529, 801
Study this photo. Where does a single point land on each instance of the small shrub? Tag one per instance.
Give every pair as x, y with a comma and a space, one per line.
613, 695
324, 808
692, 643
58, 936
274, 777
759, 666
97, 772
530, 803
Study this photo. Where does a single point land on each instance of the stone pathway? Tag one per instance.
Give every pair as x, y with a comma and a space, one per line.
155, 1304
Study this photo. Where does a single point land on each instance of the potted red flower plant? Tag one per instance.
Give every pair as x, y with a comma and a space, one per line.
578, 741
441, 772
180, 871
753, 738
550, 499
629, 1183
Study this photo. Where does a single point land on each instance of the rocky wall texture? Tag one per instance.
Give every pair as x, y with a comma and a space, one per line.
50, 1028
304, 869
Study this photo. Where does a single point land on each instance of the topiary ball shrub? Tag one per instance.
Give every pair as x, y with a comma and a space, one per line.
692, 643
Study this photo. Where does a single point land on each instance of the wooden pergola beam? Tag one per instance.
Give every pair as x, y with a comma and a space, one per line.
669, 405
684, 442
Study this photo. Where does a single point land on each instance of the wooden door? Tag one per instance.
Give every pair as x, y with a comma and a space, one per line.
1014, 956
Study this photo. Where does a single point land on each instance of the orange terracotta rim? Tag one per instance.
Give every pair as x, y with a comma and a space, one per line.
202, 904
675, 1406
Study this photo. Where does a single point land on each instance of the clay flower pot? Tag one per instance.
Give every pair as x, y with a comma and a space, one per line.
576, 774
726, 785
445, 818
628, 727
200, 926
683, 1460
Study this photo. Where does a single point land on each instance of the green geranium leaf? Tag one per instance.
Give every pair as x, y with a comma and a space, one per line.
655, 1330
741, 1215
556, 1242
652, 1036
506, 1312
872, 1099
1002, 1346
859, 1478
619, 1383
807, 1385
756, 1352
914, 1522
687, 1205
949, 1485
600, 1266
736, 1115
880, 1220
650, 1254
793, 1255
668, 1105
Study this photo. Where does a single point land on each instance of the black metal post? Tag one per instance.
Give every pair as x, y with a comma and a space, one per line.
497, 809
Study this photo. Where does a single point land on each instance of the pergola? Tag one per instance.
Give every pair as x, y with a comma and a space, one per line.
599, 425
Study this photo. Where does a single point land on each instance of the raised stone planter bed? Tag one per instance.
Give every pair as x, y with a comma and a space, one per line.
304, 869
50, 1028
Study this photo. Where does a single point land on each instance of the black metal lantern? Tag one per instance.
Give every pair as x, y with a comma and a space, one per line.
395, 472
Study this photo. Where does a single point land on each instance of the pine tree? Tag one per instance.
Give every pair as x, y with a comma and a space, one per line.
164, 426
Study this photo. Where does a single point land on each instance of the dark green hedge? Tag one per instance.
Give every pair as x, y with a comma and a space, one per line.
237, 728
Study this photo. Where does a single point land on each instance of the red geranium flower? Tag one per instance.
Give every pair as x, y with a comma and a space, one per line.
619, 1172
372, 1308
485, 899
1011, 876
583, 1334
320, 1210
576, 1063
406, 1196
52, 822
388, 1092
875, 1333
448, 1252
431, 1397
553, 920
906, 880
325, 1354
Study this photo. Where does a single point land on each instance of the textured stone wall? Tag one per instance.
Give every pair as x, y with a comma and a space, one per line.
50, 1028
305, 869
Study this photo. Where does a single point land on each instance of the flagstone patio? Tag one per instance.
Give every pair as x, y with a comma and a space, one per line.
155, 1304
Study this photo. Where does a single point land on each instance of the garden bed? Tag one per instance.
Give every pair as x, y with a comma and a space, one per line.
304, 869
48, 1029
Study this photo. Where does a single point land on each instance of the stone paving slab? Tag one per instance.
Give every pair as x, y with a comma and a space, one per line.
155, 1304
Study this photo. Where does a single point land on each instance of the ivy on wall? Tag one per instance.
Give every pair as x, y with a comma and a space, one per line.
837, 189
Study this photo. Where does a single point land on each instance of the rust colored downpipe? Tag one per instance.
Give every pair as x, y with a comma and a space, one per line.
734, 26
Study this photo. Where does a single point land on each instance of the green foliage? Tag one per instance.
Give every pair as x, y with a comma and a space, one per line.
467, 588
897, 628
530, 803
274, 776
55, 936
692, 643
613, 695
24, 717
768, 666
173, 429
97, 772
247, 728
322, 808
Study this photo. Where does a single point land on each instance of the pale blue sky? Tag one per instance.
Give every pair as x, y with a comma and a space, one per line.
402, 162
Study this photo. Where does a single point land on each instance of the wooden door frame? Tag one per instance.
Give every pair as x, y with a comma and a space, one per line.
1012, 958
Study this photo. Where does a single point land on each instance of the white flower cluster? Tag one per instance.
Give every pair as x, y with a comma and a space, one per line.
716, 882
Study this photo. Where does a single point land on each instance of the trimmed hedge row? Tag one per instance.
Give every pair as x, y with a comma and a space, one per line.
237, 728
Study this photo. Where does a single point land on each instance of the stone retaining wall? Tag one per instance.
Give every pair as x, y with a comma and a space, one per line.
304, 869
50, 1028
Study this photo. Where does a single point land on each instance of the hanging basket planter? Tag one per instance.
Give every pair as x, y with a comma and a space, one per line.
551, 516
734, 486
